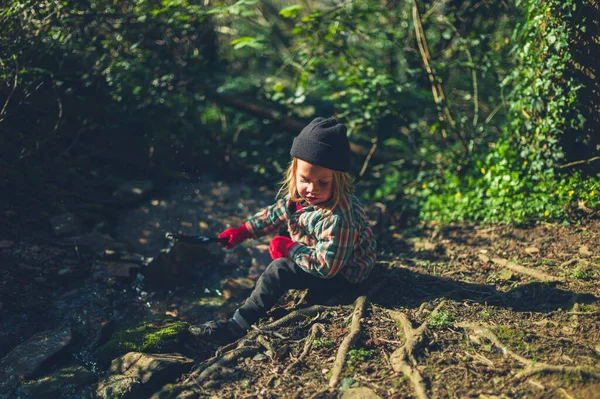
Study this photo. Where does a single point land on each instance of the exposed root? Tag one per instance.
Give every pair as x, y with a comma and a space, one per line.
403, 359
531, 367
220, 363
538, 275
317, 328
349, 340
300, 314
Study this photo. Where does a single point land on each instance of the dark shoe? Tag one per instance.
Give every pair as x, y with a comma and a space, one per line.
220, 332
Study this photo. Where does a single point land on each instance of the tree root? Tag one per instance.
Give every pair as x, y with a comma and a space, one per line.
541, 276
531, 367
216, 364
308, 344
349, 340
403, 359
247, 346
300, 314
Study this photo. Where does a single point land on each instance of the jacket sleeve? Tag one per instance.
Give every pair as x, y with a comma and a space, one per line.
333, 248
270, 220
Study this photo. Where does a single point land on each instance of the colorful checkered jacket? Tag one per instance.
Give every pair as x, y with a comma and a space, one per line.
327, 243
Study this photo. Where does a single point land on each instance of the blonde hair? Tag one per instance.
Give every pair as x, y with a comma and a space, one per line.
342, 184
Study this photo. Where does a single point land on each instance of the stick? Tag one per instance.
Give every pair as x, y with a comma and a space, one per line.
531, 367
526, 270
349, 340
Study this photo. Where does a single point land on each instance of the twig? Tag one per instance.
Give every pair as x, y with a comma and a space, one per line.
60, 109
473, 76
531, 367
368, 158
526, 270
12, 91
349, 340
579, 162
436, 88
272, 334
403, 359
308, 344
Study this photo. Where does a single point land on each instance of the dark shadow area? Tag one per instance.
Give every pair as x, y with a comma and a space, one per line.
398, 287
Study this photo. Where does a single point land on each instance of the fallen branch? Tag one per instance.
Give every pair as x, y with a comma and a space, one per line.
308, 344
531, 367
349, 340
403, 359
526, 270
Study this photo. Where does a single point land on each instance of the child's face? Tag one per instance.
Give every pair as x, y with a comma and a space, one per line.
314, 183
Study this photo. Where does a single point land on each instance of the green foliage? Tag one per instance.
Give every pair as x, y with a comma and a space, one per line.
519, 178
356, 356
442, 319
469, 124
323, 342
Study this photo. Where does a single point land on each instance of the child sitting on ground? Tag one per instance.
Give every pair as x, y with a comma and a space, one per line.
332, 247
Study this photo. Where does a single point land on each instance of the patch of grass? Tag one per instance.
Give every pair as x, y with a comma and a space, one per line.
581, 272
442, 319
323, 342
356, 356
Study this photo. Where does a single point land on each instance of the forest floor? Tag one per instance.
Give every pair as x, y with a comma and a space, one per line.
459, 311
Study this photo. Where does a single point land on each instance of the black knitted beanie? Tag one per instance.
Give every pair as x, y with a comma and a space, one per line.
323, 142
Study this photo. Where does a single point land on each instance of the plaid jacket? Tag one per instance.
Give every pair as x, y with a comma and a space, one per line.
326, 242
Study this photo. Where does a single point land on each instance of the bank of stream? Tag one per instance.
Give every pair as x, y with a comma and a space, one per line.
450, 312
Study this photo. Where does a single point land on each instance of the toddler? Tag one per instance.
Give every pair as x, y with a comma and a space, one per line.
330, 247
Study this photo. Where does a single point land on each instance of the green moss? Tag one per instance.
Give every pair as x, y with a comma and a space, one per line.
147, 337
514, 338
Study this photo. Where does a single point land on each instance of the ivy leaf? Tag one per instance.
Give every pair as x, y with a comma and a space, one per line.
246, 41
291, 11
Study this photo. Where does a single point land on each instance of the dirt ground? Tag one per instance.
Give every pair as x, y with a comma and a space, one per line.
457, 312
454, 312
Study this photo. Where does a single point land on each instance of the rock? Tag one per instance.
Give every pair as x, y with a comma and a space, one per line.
237, 287
133, 191
122, 269
532, 250
25, 360
360, 393
484, 258
176, 265
118, 386
139, 374
96, 242
58, 383
260, 259
66, 224
585, 250
6, 244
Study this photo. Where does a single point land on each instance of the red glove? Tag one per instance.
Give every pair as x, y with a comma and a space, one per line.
280, 246
235, 235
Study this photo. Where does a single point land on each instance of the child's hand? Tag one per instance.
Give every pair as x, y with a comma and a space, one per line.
280, 246
235, 235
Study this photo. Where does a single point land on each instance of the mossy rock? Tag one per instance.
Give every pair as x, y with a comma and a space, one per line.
148, 337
